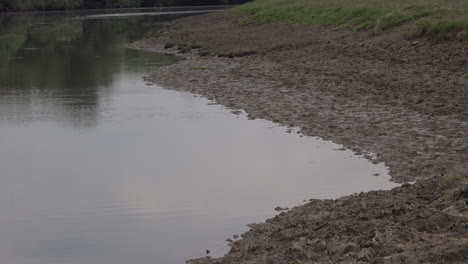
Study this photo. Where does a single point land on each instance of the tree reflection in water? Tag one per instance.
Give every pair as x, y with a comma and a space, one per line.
56, 67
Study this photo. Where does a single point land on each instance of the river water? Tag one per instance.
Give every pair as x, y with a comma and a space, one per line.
97, 167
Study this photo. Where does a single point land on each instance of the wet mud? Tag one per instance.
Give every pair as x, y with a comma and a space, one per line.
397, 100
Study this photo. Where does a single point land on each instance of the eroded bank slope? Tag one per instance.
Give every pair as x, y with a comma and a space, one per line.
405, 100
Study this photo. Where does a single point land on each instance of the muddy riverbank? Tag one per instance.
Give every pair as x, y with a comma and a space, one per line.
404, 100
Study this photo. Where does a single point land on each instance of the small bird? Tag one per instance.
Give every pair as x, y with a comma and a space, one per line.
207, 252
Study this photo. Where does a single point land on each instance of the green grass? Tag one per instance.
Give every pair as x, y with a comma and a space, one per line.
440, 19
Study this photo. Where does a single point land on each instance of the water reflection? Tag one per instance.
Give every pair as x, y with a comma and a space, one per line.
51, 65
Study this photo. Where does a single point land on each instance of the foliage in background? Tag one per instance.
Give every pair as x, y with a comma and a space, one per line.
39, 4
441, 19
127, 3
36, 5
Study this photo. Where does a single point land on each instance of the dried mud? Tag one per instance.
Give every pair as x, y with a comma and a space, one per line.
404, 100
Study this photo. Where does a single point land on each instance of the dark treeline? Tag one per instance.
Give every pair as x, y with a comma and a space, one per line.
43, 5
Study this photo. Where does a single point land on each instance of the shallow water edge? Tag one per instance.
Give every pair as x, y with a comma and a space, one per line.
275, 83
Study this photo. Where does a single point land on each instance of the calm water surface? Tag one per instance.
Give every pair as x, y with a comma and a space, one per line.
99, 168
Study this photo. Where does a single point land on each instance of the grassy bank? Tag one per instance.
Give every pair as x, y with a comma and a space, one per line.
440, 19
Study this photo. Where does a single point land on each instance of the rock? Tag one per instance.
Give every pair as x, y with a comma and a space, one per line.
279, 209
169, 45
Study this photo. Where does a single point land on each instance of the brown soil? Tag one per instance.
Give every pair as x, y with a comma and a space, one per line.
406, 101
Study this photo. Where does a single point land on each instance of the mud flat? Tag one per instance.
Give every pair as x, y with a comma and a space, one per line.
404, 99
